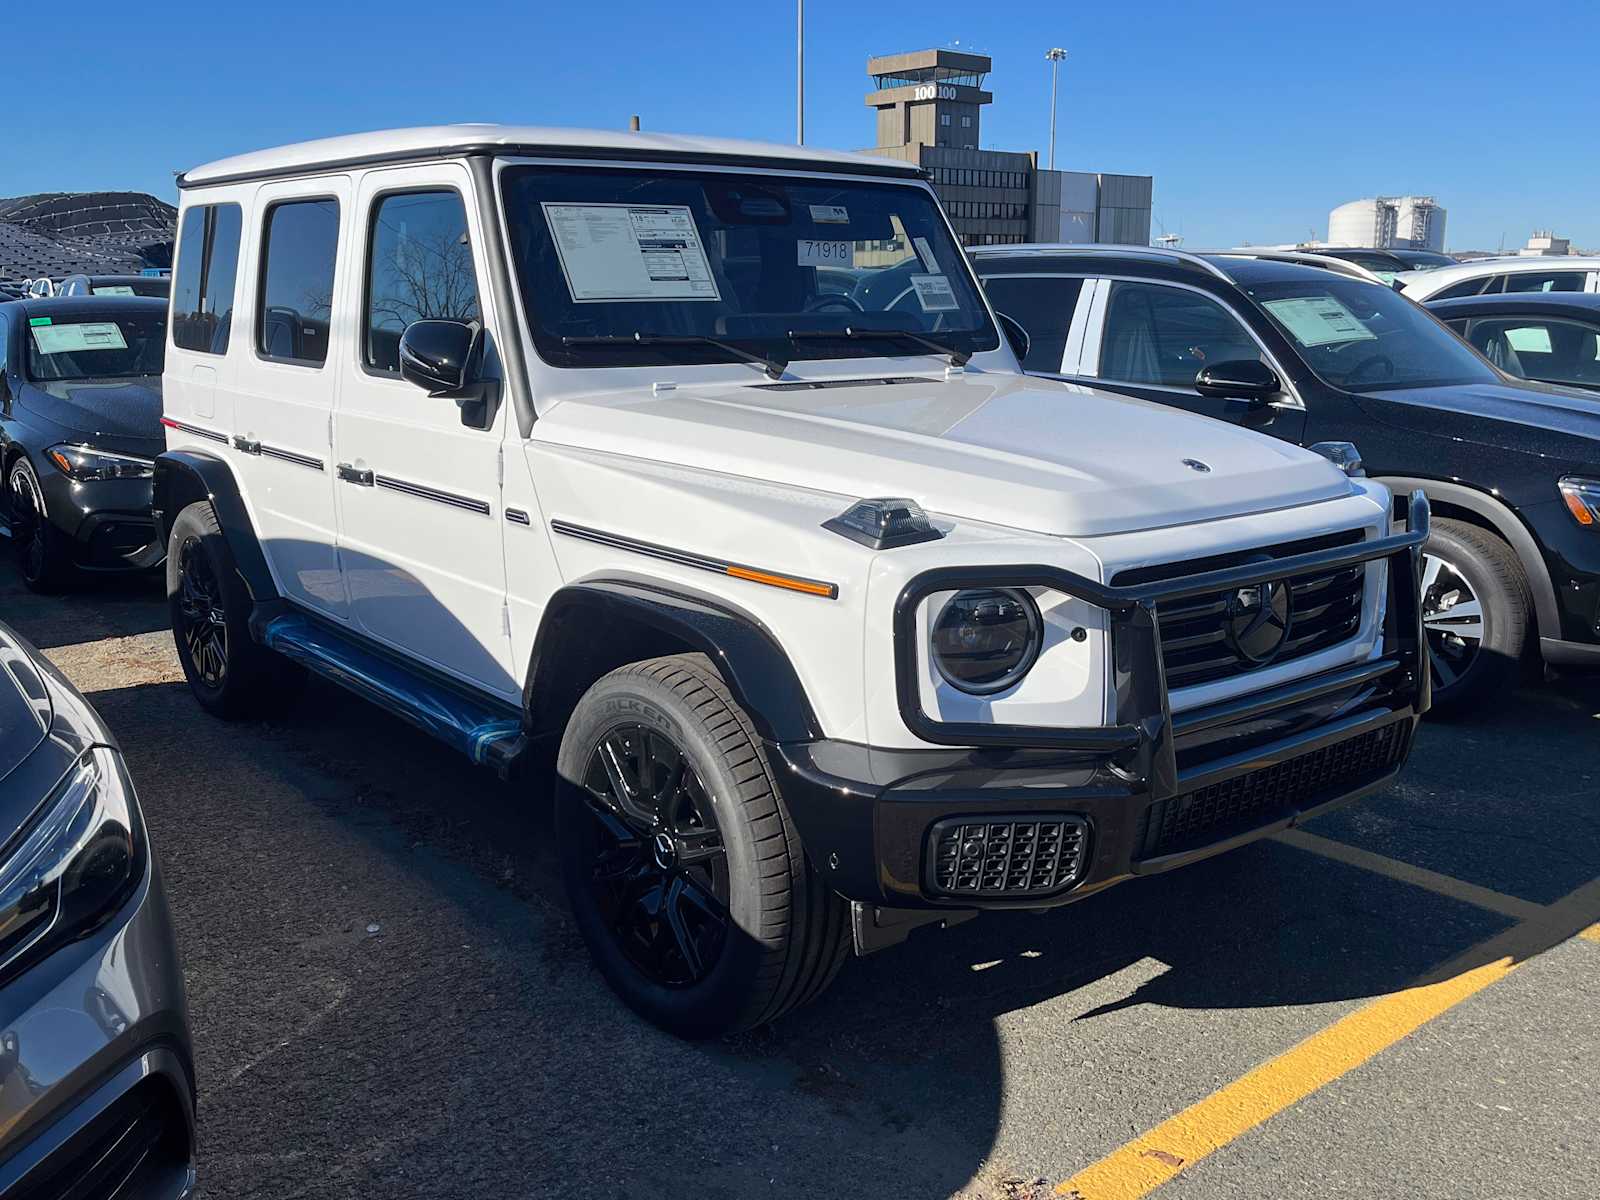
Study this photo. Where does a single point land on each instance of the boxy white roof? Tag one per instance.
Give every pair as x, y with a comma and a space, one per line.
448, 141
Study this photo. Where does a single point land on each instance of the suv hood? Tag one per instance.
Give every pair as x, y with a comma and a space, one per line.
1016, 451
1533, 418
117, 414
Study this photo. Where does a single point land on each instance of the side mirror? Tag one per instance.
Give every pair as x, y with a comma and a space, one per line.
444, 358
1016, 335
1247, 379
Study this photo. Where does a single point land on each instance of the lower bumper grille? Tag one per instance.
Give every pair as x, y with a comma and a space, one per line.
1235, 805
1010, 857
138, 1148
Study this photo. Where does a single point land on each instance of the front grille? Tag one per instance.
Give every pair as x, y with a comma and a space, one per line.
1324, 610
1246, 801
1010, 857
137, 1149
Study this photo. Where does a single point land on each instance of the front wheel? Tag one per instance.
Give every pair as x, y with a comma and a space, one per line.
42, 549
684, 870
1475, 604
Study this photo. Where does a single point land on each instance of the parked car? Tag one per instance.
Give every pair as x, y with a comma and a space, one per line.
1311, 356
1486, 276
1386, 263
96, 1069
831, 621
80, 426
1549, 337
115, 285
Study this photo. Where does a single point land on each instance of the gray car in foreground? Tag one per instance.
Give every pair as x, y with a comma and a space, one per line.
96, 1077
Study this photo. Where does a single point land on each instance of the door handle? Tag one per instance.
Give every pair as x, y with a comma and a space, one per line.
351, 475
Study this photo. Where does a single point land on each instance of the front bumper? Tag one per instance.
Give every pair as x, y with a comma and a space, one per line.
95, 1067
108, 521
1150, 792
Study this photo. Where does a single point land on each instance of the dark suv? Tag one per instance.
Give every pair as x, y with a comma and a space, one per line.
1311, 354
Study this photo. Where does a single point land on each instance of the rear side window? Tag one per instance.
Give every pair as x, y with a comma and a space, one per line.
297, 259
1467, 287
419, 267
1546, 281
1043, 306
202, 285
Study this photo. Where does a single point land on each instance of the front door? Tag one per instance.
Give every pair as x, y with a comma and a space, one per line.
419, 483
1151, 339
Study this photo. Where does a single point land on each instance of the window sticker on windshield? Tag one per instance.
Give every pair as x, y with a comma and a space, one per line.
113, 289
628, 252
934, 293
813, 253
830, 214
1318, 320
81, 335
1529, 339
925, 253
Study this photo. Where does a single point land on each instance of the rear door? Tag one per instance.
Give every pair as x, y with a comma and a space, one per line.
1150, 339
419, 483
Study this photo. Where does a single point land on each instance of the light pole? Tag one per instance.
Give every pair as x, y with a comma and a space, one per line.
800, 73
1054, 55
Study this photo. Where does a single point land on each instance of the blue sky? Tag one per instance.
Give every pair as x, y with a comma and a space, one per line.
1255, 118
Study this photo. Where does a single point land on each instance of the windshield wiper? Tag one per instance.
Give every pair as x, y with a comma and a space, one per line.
958, 357
773, 366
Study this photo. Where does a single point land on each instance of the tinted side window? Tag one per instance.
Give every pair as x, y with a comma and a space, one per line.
297, 260
419, 266
1164, 335
1467, 287
1553, 351
1546, 281
202, 285
1044, 308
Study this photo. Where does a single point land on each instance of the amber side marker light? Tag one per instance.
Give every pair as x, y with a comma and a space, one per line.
809, 586
1582, 498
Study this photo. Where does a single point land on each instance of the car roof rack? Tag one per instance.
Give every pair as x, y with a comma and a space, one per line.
1307, 258
1106, 248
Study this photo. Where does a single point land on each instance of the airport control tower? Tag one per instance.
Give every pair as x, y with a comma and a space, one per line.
929, 97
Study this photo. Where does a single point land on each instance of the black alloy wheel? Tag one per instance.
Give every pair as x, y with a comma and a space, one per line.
38, 554
202, 615
659, 870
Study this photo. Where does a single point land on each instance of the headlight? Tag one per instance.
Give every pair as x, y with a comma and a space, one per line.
1343, 455
1583, 499
84, 464
986, 639
76, 862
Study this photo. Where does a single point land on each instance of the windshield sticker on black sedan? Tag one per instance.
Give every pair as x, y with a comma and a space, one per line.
1318, 320
116, 289
934, 293
627, 252
80, 335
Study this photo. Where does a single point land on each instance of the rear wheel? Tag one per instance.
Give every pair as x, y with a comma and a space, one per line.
1475, 604
231, 675
43, 551
685, 872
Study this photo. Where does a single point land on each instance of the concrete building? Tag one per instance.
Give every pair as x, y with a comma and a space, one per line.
1545, 244
929, 106
1388, 223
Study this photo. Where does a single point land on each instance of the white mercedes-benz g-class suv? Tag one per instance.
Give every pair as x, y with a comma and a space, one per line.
703, 471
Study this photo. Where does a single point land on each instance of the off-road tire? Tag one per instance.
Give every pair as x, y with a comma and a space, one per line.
1492, 570
788, 934
255, 682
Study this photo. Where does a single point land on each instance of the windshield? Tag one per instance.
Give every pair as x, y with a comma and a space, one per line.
634, 268
112, 347
1365, 338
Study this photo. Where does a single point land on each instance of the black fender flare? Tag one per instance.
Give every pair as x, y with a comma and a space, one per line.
1508, 525
185, 476
589, 628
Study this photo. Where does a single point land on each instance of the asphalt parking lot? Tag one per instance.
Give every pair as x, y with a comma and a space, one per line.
388, 998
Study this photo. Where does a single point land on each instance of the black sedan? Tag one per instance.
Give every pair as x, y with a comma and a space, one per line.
80, 423
1550, 337
96, 1075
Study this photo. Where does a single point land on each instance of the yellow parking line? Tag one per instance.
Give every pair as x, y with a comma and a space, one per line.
1154, 1158
1444, 885
1591, 934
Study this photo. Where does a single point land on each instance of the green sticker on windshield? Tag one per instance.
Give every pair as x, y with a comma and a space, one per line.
38, 321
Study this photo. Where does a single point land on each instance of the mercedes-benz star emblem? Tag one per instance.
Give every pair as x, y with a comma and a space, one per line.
1258, 620
1194, 464
666, 851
